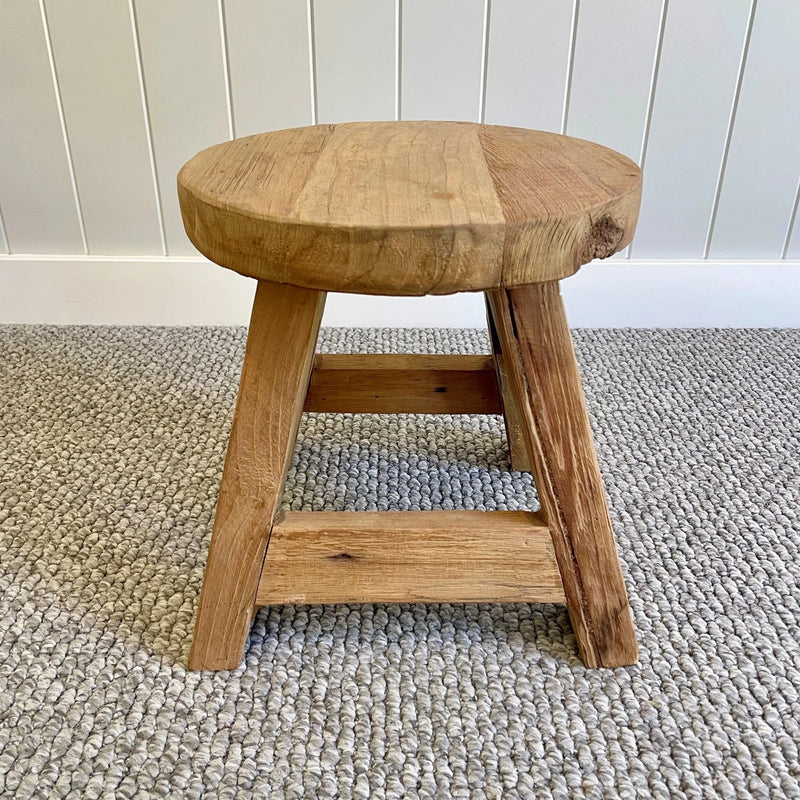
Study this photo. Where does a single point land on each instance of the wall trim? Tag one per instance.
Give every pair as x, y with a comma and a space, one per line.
189, 290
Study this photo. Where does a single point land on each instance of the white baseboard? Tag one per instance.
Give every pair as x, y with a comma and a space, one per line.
149, 290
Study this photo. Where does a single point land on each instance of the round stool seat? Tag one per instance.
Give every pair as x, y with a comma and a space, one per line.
408, 208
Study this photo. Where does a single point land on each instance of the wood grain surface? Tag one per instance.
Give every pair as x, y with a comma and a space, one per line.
409, 557
517, 441
408, 208
543, 373
271, 394
400, 383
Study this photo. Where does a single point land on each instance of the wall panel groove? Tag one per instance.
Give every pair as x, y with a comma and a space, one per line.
704, 93
312, 63
398, 54
183, 73
37, 188
576, 10
442, 54
791, 245
699, 64
62, 122
3, 239
651, 96
101, 96
526, 67
268, 47
355, 59
226, 67
487, 19
729, 131
653, 83
612, 85
148, 127
759, 183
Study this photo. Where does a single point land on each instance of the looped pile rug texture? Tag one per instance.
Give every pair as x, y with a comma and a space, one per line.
112, 442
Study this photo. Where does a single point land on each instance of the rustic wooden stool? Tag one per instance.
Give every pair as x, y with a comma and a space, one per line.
411, 208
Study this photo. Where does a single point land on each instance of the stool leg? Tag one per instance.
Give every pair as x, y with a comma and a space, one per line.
277, 366
518, 448
543, 376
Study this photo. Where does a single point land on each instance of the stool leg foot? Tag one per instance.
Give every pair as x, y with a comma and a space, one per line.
543, 376
518, 447
277, 366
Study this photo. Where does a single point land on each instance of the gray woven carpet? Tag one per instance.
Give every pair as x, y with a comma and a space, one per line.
111, 448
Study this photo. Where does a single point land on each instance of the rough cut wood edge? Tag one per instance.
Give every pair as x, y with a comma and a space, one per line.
517, 446
537, 345
277, 364
408, 207
554, 243
403, 384
410, 556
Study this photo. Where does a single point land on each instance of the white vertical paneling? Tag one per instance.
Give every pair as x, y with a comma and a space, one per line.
576, 4
355, 41
613, 65
792, 246
226, 66
96, 59
98, 116
312, 60
268, 50
442, 54
700, 58
527, 65
398, 55
760, 180
36, 192
184, 73
3, 239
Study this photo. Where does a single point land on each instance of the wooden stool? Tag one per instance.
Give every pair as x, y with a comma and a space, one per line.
411, 208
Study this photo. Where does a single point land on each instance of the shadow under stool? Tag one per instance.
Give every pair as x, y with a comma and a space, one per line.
411, 208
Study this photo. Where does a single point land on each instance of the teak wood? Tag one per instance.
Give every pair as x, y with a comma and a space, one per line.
403, 384
411, 208
543, 374
271, 394
410, 557
517, 444
408, 208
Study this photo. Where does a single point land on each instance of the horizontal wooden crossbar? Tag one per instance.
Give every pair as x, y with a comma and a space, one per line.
409, 556
403, 384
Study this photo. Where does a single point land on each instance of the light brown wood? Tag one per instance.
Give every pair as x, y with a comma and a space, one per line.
565, 201
409, 557
408, 208
403, 384
277, 364
412, 208
517, 445
537, 347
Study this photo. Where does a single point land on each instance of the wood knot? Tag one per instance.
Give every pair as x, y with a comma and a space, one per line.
602, 240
